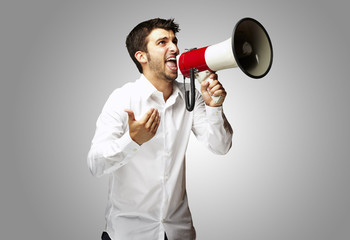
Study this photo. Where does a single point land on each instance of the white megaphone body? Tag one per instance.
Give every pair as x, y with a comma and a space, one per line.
249, 48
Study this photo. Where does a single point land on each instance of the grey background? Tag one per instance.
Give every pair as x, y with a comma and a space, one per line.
287, 174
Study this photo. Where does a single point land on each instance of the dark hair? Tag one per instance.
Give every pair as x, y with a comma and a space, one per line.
137, 38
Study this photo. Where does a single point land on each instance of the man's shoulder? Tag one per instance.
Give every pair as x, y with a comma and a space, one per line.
127, 88
120, 97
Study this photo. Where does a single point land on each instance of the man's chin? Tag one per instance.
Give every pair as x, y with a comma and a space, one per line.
171, 77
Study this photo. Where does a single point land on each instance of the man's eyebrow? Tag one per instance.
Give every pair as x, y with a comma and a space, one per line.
166, 38
162, 38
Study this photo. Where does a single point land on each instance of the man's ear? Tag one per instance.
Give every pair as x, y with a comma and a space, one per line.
141, 57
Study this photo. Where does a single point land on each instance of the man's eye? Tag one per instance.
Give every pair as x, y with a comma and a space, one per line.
161, 42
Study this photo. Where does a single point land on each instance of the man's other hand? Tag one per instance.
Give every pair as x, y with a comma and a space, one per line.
144, 129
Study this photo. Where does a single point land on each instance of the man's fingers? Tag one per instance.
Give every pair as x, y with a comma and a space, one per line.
145, 117
151, 119
217, 88
155, 124
213, 76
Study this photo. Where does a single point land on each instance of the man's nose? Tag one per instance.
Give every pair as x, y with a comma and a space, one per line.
173, 48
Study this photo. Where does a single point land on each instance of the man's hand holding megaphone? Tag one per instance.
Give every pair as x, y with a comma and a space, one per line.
213, 88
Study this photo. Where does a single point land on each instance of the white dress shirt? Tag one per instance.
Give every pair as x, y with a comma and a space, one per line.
147, 187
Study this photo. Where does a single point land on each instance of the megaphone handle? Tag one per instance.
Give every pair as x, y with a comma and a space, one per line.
204, 76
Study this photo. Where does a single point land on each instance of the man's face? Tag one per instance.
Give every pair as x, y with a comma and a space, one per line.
161, 54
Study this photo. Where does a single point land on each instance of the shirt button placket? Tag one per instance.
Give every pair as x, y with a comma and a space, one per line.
166, 157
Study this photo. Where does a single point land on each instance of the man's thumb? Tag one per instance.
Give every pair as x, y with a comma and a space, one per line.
204, 86
204, 90
130, 114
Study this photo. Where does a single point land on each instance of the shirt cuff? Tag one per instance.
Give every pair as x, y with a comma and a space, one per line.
128, 145
214, 114
129, 148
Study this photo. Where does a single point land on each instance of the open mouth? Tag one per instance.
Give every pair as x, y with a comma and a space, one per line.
171, 63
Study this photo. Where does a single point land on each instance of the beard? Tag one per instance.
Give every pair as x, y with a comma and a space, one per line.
156, 66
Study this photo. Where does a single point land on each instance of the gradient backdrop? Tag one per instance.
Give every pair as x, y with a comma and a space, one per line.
287, 174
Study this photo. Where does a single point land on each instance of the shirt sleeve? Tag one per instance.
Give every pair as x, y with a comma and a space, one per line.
111, 146
211, 127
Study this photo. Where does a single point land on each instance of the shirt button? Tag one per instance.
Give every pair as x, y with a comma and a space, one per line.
166, 177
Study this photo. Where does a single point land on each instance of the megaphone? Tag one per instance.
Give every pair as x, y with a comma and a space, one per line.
249, 48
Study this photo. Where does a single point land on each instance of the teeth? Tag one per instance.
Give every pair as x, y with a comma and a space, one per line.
171, 59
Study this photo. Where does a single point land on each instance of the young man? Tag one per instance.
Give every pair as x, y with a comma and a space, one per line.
141, 139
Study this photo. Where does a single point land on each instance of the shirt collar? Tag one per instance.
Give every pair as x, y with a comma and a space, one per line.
147, 87
177, 89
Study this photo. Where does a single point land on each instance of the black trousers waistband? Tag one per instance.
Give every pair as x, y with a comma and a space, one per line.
105, 236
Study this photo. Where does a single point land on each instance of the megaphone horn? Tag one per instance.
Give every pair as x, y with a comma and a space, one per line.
249, 48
